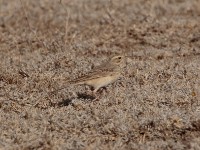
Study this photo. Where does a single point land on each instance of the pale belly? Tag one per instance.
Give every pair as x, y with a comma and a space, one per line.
101, 82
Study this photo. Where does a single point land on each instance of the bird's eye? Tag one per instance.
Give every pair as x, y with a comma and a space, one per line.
119, 57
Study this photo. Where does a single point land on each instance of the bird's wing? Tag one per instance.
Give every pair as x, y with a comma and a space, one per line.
94, 74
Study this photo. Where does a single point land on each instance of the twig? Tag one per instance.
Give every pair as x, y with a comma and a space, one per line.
29, 25
66, 21
26, 16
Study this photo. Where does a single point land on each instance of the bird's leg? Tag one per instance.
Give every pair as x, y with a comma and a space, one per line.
94, 93
104, 90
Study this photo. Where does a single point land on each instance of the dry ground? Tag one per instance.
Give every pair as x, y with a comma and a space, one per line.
155, 106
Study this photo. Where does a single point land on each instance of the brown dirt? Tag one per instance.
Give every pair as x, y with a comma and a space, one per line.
155, 106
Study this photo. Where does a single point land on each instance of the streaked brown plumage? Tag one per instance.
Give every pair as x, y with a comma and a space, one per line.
101, 75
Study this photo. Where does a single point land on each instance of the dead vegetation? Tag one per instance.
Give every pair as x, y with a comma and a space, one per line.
155, 106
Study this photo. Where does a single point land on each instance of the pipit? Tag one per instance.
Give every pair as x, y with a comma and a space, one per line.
102, 75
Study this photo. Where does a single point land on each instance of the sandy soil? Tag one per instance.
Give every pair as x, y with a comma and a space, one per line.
156, 105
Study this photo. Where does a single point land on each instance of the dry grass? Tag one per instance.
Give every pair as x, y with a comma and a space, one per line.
155, 106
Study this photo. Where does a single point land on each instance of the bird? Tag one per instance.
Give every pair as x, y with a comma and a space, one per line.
101, 75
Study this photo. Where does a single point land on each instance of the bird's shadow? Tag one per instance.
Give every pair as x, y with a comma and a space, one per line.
85, 96
65, 102
81, 96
